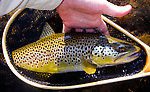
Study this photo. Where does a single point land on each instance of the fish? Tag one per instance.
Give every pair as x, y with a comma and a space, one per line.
71, 52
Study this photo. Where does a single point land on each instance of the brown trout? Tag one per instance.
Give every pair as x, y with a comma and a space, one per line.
68, 52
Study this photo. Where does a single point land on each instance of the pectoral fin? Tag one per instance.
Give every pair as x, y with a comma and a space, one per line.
88, 68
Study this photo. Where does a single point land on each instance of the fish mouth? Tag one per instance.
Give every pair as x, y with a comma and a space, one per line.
136, 54
129, 58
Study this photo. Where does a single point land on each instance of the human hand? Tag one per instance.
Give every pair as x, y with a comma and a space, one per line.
87, 14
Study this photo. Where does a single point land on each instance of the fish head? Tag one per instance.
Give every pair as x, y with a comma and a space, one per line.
127, 52
114, 51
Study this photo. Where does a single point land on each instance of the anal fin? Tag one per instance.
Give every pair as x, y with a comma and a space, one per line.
87, 67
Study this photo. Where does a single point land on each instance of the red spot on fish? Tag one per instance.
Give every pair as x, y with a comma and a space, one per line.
57, 55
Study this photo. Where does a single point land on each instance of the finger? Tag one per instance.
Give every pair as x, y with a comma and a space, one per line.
90, 30
116, 11
79, 30
103, 28
102, 31
66, 29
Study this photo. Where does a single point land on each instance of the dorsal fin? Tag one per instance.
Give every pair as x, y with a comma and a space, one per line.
47, 30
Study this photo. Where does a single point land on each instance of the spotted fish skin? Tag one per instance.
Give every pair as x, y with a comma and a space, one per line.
69, 52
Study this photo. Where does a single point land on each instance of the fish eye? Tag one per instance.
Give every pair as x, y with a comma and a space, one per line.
121, 49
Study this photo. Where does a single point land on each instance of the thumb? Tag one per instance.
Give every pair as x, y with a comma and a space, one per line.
116, 11
65, 29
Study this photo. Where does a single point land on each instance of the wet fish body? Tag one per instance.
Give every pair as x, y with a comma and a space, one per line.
58, 53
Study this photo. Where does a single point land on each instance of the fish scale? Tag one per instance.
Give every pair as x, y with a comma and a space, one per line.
60, 51
73, 51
